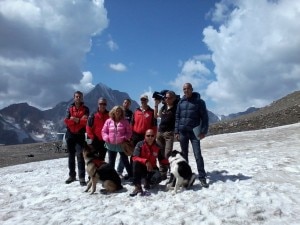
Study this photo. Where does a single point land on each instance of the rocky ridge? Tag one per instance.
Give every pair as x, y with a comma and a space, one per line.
281, 112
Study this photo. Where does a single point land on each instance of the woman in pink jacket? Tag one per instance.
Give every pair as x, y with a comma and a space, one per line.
116, 130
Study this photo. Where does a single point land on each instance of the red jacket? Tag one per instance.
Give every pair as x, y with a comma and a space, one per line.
82, 113
95, 124
143, 120
148, 153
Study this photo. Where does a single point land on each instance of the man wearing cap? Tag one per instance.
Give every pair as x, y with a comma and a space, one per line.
142, 120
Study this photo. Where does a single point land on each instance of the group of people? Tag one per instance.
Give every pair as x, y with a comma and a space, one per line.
153, 144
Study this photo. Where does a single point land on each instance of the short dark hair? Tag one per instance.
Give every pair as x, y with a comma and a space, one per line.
127, 99
78, 92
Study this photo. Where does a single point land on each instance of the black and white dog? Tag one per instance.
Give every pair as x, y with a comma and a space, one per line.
181, 172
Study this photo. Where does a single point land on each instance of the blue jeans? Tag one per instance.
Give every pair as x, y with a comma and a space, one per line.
184, 138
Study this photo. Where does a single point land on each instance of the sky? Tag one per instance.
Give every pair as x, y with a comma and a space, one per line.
253, 177
236, 53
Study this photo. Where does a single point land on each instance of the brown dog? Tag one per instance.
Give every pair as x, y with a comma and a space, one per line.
99, 170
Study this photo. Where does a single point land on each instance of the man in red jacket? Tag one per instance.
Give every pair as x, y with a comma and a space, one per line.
145, 156
94, 127
142, 120
75, 120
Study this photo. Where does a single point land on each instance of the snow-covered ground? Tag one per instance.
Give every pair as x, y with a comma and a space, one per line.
254, 179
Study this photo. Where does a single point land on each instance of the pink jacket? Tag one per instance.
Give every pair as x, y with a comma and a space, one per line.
116, 134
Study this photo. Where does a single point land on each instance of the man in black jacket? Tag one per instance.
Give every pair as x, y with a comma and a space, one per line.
191, 115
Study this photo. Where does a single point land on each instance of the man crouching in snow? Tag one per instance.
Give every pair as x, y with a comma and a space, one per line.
145, 156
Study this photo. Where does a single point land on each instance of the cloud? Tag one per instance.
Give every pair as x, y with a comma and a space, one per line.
119, 67
194, 71
85, 84
42, 47
255, 51
113, 46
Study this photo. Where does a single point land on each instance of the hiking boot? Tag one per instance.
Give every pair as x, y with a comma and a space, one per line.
70, 180
82, 182
138, 189
203, 182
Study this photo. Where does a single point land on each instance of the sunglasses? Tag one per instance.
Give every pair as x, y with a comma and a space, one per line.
168, 97
143, 99
102, 104
149, 135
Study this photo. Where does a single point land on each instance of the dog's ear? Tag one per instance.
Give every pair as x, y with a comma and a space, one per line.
176, 152
173, 153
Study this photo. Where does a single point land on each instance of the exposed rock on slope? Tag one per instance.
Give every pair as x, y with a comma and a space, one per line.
281, 112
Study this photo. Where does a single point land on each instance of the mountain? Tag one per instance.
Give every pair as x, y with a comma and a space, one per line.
235, 115
22, 123
114, 97
280, 112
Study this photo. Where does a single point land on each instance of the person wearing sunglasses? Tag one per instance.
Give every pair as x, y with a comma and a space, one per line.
165, 134
94, 127
75, 120
145, 157
142, 120
191, 113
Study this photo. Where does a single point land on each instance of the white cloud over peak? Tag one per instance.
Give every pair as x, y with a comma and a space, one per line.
255, 51
85, 84
42, 46
119, 67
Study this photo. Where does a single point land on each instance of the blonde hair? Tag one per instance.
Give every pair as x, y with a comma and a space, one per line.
112, 112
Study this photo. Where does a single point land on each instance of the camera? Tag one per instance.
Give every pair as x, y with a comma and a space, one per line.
159, 95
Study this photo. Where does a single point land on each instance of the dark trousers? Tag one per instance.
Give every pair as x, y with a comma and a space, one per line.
75, 144
135, 138
124, 158
140, 172
99, 147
